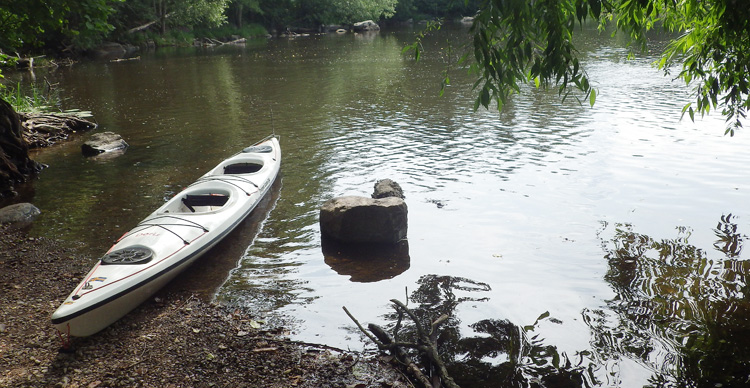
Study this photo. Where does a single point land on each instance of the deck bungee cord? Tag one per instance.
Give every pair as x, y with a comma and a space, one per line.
146, 225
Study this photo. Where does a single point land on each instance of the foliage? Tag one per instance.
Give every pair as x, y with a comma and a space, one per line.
519, 41
190, 13
168, 14
347, 11
435, 9
516, 41
238, 8
313, 13
714, 51
77, 24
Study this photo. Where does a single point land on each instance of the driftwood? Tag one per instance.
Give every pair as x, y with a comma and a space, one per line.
216, 42
425, 343
138, 58
44, 129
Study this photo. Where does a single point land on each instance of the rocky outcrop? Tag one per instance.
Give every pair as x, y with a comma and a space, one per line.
103, 142
367, 25
353, 219
19, 214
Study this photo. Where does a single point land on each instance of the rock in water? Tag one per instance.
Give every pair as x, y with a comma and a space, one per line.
103, 142
367, 25
354, 219
387, 188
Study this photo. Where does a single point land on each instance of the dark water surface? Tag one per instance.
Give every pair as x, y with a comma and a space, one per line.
572, 246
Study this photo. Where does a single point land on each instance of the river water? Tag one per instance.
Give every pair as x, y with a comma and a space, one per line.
596, 246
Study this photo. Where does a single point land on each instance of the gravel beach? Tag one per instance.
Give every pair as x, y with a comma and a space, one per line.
175, 339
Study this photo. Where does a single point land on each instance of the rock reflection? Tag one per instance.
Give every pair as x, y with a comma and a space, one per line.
366, 263
678, 311
501, 353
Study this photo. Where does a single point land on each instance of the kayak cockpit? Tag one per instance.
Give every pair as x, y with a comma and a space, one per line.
204, 202
241, 165
198, 201
242, 168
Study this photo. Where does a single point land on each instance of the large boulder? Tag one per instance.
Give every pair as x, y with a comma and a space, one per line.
354, 219
103, 142
367, 25
19, 214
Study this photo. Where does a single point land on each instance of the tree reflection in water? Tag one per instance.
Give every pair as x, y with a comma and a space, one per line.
501, 354
679, 312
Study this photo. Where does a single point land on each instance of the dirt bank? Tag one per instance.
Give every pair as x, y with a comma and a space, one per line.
173, 340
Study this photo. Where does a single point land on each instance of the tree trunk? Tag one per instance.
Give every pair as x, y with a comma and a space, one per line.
239, 16
15, 164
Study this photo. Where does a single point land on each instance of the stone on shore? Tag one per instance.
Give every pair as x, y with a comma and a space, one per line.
19, 214
103, 142
354, 219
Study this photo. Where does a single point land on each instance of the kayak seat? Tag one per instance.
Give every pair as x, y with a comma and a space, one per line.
242, 168
192, 200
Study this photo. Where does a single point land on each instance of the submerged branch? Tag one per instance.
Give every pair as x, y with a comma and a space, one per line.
425, 344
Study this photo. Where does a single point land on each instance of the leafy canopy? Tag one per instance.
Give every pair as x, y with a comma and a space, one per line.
517, 41
69, 23
189, 13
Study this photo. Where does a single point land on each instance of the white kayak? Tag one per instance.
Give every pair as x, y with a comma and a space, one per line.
169, 240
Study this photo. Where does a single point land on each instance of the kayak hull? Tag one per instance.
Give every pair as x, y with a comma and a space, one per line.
170, 239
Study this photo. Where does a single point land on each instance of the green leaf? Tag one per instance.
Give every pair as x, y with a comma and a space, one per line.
485, 96
592, 98
596, 8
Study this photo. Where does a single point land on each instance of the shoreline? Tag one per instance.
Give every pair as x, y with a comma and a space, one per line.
175, 339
